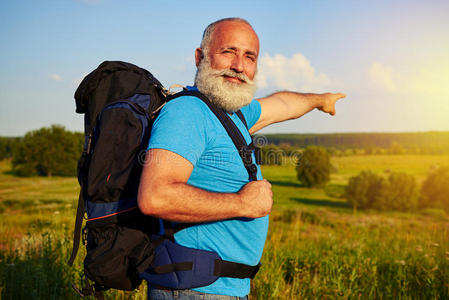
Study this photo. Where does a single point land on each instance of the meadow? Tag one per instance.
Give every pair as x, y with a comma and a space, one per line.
317, 247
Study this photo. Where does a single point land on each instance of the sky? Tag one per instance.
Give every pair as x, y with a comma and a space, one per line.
391, 58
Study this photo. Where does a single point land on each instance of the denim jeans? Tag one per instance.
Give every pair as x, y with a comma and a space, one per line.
156, 294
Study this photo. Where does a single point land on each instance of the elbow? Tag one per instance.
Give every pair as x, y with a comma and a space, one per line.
144, 201
147, 201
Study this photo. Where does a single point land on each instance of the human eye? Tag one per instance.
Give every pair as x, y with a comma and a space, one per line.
228, 51
251, 57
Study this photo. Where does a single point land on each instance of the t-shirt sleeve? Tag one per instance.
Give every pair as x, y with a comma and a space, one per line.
180, 128
252, 112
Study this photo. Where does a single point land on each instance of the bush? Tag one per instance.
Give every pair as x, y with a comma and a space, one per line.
314, 167
47, 152
364, 190
368, 190
435, 189
402, 192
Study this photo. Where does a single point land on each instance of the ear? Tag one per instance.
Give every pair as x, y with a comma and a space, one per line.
198, 56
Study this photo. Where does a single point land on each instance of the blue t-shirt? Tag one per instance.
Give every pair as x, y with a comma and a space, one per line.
186, 126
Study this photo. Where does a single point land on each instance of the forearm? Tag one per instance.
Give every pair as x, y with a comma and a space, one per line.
295, 105
181, 202
282, 106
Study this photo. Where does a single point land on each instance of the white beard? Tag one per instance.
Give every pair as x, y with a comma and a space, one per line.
227, 95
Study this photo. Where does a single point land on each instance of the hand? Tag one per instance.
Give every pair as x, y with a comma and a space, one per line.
257, 199
328, 102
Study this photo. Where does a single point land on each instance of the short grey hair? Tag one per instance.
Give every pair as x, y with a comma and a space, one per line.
207, 34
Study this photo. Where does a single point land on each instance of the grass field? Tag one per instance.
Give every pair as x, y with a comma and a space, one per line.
316, 247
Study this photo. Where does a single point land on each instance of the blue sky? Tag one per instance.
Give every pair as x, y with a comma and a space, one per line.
390, 57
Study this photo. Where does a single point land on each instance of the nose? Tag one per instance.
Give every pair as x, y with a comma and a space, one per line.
237, 64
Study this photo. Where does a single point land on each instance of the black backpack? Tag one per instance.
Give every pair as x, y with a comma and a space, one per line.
120, 101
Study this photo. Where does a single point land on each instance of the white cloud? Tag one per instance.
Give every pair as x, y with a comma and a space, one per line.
295, 73
430, 80
56, 77
382, 76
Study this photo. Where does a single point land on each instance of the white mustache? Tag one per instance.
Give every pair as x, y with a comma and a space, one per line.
231, 73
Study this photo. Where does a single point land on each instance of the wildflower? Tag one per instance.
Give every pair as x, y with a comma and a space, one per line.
401, 262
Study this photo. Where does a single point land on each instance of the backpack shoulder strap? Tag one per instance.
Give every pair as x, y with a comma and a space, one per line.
78, 224
222, 268
245, 151
242, 118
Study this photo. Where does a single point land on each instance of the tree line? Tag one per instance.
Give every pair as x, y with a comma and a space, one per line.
369, 143
399, 192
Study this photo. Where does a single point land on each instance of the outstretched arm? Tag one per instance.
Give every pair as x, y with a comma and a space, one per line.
282, 106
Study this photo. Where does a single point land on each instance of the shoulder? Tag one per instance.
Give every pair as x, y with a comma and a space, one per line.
252, 112
185, 105
183, 127
185, 110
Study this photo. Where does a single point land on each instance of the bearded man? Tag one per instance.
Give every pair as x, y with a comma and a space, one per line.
193, 172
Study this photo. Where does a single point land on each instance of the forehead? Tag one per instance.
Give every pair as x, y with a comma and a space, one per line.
234, 34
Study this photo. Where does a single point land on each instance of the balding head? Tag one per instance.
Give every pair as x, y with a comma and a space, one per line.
227, 63
230, 43
207, 34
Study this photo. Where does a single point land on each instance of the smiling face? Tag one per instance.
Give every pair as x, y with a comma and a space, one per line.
233, 46
227, 64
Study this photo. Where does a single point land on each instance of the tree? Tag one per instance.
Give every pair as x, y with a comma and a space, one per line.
314, 167
435, 189
365, 190
271, 155
368, 190
402, 192
47, 152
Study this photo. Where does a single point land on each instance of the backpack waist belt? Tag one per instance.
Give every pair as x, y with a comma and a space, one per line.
179, 267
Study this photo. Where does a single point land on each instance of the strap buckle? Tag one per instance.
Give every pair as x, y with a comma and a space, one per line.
246, 155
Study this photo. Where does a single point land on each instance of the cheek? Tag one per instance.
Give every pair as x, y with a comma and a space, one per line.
250, 71
220, 62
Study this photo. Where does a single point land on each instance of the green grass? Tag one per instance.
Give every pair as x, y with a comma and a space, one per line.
316, 247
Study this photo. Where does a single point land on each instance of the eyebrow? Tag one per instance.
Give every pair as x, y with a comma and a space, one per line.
235, 49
